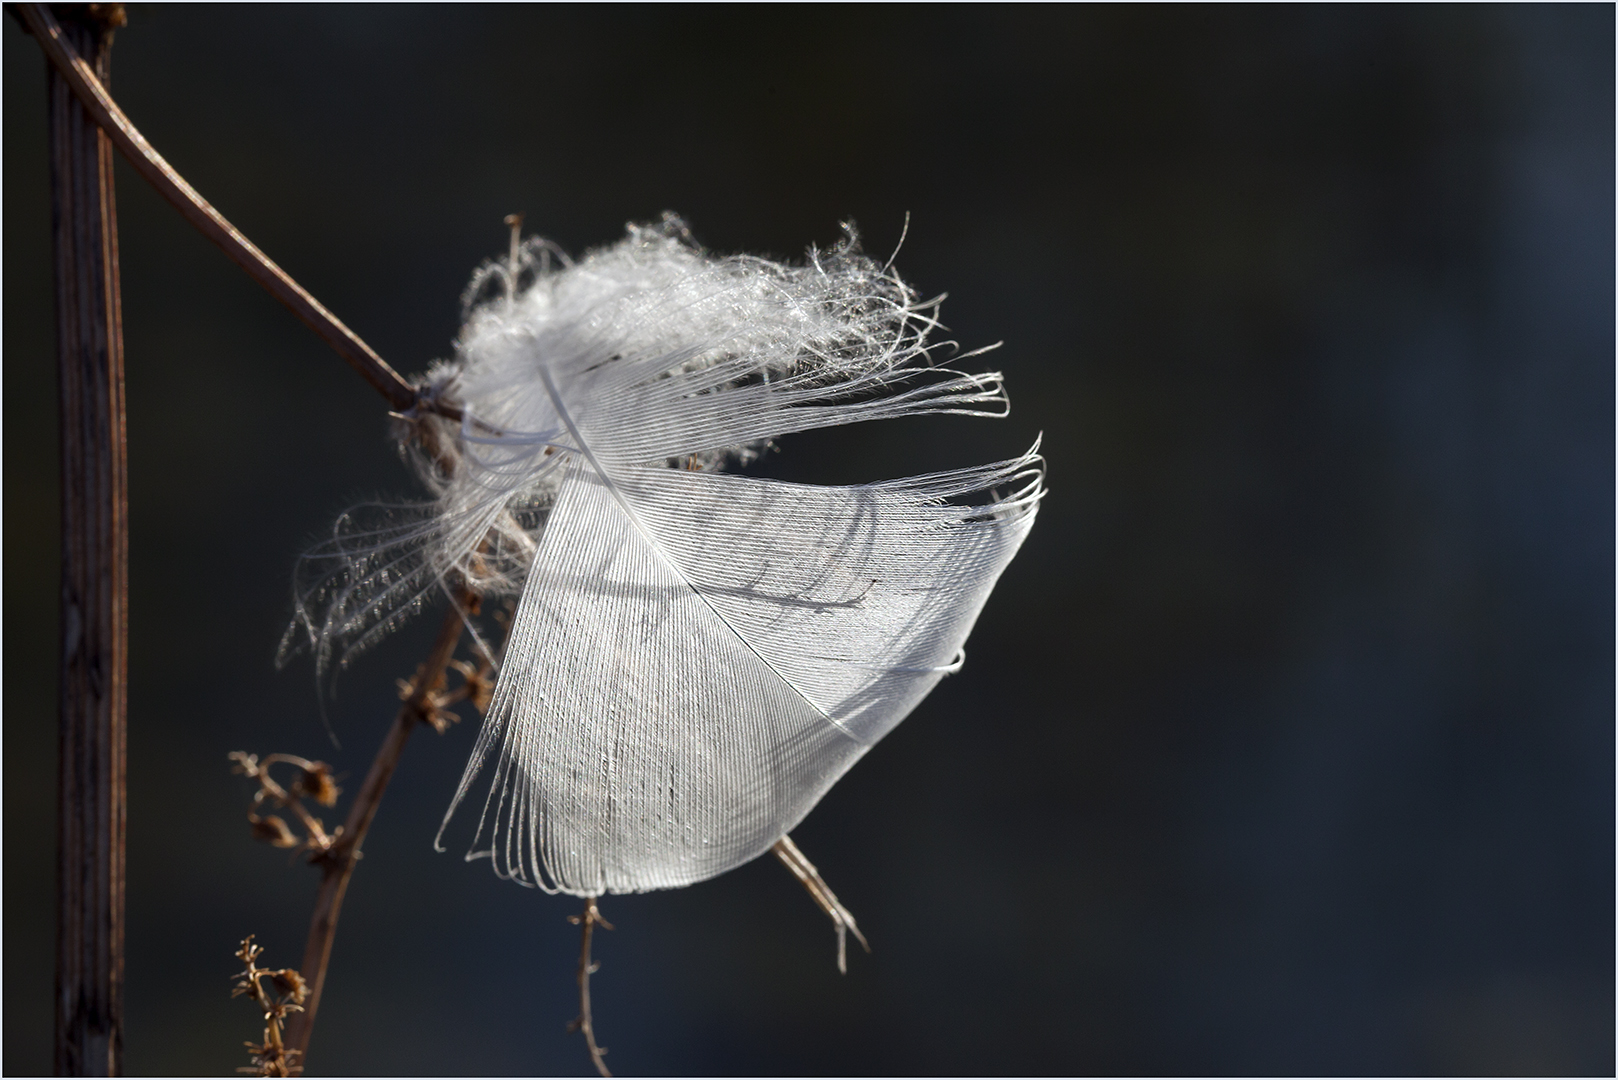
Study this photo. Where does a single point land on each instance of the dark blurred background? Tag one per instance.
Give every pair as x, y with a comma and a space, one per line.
1285, 746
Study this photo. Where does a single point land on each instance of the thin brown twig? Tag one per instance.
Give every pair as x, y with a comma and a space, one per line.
81, 79
586, 1022
337, 862
810, 879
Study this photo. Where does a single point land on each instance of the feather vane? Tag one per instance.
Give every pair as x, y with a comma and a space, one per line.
696, 656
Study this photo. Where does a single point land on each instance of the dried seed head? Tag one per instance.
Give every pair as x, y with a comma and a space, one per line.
273, 830
317, 783
290, 985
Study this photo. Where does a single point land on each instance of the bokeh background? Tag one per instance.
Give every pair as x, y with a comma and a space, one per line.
1285, 746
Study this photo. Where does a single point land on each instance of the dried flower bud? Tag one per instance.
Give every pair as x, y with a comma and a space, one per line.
273, 830
317, 783
290, 984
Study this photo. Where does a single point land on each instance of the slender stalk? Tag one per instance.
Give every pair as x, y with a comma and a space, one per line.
92, 93
337, 863
95, 575
586, 1022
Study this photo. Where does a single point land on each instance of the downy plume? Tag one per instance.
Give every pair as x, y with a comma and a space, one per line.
696, 657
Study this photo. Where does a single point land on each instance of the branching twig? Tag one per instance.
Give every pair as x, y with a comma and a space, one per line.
212, 224
272, 1057
423, 705
810, 879
585, 1023
425, 700
425, 697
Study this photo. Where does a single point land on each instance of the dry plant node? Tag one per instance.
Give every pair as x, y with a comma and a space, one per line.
432, 706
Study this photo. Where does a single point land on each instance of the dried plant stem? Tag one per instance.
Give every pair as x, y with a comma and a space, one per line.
82, 80
95, 575
337, 863
810, 879
586, 1022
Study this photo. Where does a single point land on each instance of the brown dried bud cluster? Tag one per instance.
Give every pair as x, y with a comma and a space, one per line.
479, 684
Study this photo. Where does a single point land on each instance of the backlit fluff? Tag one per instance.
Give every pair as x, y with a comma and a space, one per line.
696, 657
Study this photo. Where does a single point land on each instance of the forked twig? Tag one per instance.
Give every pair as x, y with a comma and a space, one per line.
585, 1023
81, 79
810, 879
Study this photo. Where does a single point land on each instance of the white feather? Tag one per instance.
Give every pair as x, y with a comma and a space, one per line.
696, 657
